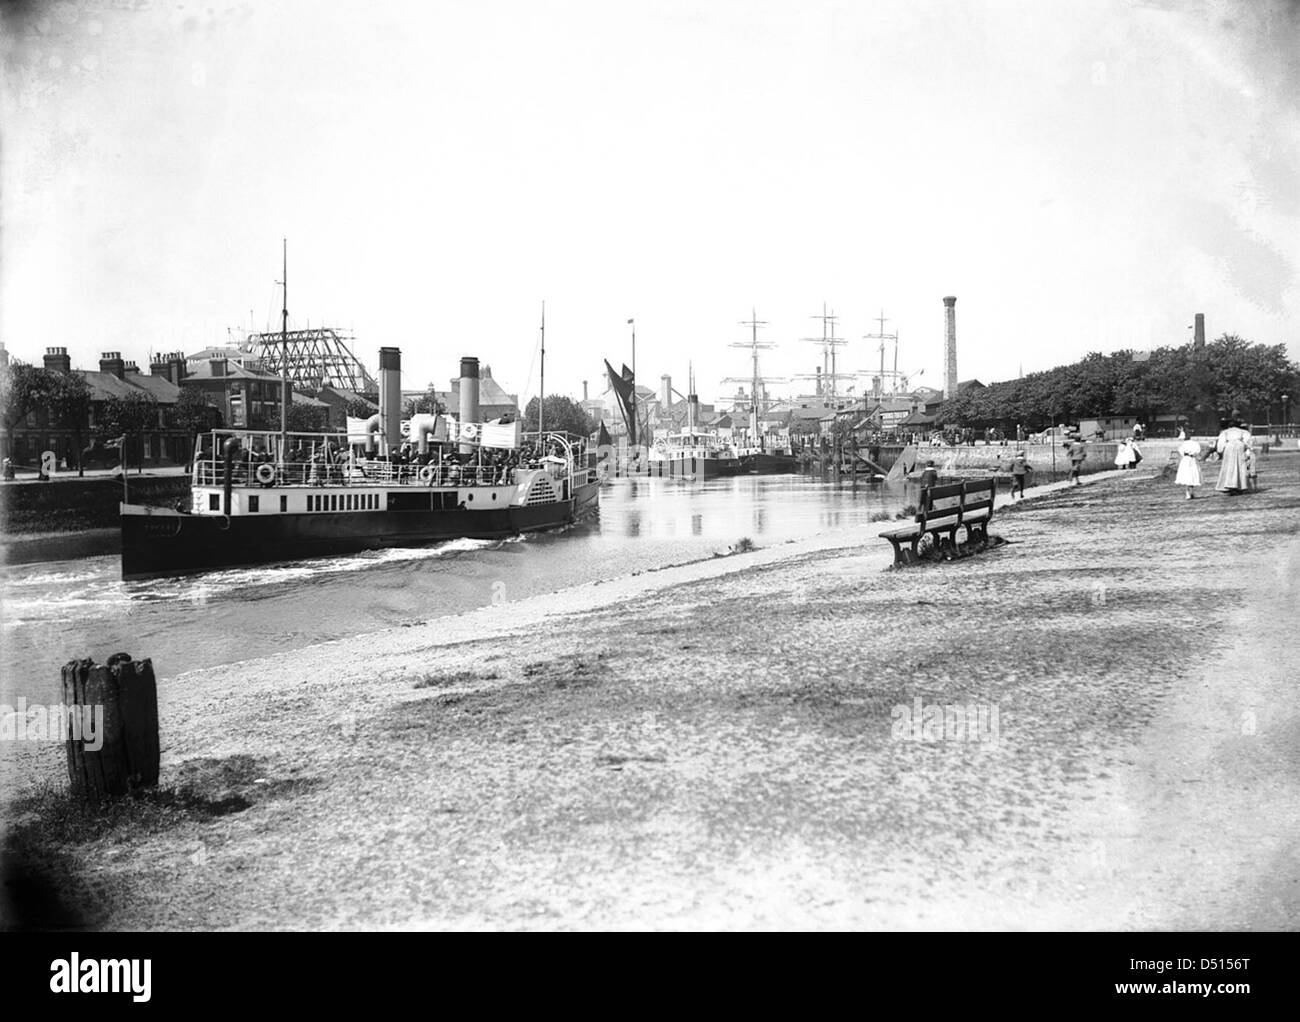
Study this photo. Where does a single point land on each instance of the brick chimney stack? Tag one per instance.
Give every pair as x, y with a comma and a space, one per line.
58, 360
111, 362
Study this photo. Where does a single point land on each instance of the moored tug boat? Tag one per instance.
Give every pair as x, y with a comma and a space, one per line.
693, 453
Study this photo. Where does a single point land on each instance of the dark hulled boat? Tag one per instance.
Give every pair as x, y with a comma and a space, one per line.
246, 508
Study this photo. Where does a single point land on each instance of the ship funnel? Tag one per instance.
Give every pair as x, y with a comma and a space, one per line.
390, 398
468, 396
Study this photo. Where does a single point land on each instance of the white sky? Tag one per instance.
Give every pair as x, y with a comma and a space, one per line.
1083, 176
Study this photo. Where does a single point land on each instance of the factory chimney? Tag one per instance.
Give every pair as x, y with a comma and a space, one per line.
1198, 333
665, 393
468, 396
390, 398
950, 348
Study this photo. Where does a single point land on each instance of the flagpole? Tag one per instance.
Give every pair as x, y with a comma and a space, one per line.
636, 423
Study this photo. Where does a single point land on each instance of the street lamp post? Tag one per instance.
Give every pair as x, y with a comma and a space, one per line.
1285, 419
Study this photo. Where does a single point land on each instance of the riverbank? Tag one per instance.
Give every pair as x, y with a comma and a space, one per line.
715, 746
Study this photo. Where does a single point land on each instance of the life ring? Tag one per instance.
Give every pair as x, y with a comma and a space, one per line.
266, 474
427, 473
469, 431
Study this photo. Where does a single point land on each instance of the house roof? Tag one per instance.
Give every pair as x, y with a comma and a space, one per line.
963, 384
234, 371
351, 395
310, 402
919, 418
227, 351
105, 385
159, 387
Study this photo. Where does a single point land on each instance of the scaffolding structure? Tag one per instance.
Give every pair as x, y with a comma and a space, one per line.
315, 358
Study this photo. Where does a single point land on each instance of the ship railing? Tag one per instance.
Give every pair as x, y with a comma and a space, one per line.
327, 462
361, 472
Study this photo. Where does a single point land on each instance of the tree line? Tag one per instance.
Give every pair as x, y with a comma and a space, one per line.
1227, 377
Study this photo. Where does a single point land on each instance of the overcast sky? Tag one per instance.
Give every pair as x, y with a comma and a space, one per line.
1083, 176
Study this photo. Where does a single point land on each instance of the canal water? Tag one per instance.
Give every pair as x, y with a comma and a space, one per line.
54, 612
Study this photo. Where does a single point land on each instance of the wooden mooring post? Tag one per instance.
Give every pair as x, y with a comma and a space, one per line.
118, 702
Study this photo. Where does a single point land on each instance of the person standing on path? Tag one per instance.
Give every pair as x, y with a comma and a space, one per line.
1189, 469
1077, 456
1231, 447
1019, 469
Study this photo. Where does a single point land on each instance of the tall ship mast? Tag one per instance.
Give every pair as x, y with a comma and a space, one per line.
887, 383
828, 377
761, 453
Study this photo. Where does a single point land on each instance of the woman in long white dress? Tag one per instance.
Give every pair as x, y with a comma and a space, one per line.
1231, 446
1189, 468
1124, 454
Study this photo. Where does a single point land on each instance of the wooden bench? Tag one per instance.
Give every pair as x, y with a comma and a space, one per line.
944, 510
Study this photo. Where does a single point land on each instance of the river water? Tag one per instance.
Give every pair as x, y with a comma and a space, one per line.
58, 611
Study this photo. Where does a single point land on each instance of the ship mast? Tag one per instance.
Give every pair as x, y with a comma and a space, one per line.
755, 381
285, 394
882, 337
541, 397
829, 376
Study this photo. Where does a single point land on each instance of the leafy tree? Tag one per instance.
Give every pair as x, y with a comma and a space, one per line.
359, 409
562, 413
426, 404
62, 400
22, 390
68, 399
308, 419
193, 415
128, 416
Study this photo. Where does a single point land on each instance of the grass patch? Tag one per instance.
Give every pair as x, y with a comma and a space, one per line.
455, 678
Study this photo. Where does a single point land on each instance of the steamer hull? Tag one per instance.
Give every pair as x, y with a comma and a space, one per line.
764, 464
158, 542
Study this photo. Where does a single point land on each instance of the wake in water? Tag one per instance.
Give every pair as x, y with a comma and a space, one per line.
61, 595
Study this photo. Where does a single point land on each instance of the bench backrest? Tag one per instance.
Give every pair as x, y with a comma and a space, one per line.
946, 505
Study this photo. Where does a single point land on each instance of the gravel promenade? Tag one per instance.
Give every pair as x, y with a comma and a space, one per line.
722, 745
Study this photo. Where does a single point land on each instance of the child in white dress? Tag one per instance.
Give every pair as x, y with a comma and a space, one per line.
1189, 468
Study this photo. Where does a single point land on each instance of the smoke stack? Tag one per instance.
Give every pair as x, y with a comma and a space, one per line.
950, 348
390, 398
1198, 338
58, 360
111, 362
665, 392
468, 396
584, 392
